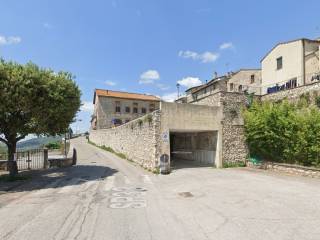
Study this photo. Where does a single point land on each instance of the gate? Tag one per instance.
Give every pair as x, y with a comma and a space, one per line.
32, 159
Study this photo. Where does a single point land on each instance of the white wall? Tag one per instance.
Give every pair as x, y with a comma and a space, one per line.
292, 57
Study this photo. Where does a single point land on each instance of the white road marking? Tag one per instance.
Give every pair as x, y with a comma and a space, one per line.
109, 183
124, 197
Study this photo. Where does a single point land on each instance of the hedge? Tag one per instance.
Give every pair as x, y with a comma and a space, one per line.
284, 132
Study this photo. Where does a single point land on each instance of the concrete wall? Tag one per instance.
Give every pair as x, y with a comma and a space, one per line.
138, 140
176, 117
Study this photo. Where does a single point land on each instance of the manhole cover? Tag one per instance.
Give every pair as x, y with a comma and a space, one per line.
185, 194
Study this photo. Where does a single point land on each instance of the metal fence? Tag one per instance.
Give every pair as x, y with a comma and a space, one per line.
29, 160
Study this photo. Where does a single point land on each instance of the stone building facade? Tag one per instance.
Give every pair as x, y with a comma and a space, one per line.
248, 80
113, 108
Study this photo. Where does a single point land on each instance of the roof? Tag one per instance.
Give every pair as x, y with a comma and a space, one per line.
124, 95
281, 43
192, 88
217, 79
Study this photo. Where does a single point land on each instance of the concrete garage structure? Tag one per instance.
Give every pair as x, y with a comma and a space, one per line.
192, 134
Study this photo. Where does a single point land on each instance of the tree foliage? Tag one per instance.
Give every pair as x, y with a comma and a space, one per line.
284, 132
35, 100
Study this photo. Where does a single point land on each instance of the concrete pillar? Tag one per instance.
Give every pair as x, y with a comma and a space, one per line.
218, 158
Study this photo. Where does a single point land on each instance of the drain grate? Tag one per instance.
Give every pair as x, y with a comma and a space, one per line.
185, 194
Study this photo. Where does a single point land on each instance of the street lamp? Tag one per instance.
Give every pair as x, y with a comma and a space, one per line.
178, 88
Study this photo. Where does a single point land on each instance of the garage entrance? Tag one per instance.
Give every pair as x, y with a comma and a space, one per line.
193, 149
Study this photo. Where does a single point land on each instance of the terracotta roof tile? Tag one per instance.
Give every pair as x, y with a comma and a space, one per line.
125, 95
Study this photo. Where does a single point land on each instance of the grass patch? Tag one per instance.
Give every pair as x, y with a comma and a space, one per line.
109, 149
156, 171
233, 164
7, 178
121, 155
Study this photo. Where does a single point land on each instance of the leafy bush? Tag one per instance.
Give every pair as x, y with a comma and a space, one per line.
233, 164
284, 132
53, 145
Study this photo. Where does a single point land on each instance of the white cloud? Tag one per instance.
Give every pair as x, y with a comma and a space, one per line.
87, 107
110, 83
149, 76
9, 40
227, 45
205, 57
190, 82
169, 97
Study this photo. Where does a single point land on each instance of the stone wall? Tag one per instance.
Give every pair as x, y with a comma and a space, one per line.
294, 94
138, 139
288, 168
234, 147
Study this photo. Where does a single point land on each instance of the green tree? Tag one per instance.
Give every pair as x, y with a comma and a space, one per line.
34, 100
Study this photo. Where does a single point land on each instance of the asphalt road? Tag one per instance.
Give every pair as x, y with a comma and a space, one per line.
105, 197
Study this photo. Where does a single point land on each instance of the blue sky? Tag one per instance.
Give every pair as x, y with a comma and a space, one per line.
148, 45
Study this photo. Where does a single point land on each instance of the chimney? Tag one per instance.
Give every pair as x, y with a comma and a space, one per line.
215, 74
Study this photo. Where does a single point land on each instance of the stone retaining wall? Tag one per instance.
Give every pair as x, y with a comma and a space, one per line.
287, 168
137, 140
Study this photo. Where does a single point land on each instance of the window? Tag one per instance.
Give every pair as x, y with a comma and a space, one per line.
252, 78
240, 88
118, 108
151, 105
151, 109
231, 86
135, 107
127, 109
143, 110
279, 63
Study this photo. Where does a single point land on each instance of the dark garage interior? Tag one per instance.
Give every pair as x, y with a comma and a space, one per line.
192, 149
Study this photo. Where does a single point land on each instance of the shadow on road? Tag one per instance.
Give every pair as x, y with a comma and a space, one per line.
57, 178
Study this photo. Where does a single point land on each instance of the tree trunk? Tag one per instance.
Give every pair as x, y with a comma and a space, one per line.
12, 165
